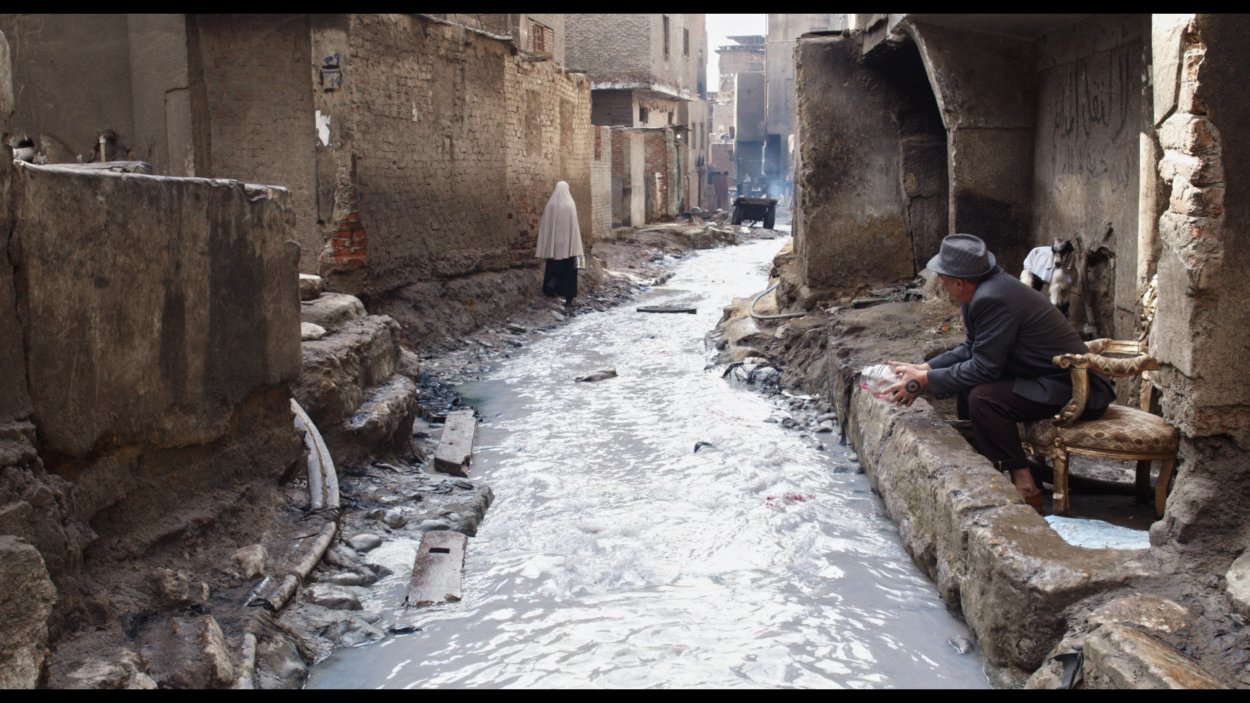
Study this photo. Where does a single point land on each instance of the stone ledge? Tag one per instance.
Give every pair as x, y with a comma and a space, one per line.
1121, 657
995, 560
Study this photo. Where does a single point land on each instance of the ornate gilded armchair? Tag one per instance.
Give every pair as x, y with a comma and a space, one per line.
1122, 433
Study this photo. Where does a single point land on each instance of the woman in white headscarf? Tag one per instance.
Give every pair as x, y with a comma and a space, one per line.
560, 243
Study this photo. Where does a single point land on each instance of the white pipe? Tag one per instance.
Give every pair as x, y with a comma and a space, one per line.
323, 481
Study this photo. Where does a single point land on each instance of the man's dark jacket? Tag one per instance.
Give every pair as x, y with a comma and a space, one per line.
1015, 332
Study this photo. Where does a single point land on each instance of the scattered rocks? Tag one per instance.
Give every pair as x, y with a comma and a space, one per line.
125, 670
364, 542
26, 603
284, 660
171, 588
961, 644
393, 519
252, 559
353, 632
333, 597
311, 330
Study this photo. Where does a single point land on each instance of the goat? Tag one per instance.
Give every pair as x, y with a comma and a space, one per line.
1053, 265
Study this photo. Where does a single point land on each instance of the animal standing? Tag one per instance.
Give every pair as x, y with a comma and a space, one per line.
1054, 265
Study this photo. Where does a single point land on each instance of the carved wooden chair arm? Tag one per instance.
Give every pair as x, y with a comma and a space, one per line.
1106, 364
1081, 363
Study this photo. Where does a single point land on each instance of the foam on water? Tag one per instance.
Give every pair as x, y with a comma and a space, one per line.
616, 556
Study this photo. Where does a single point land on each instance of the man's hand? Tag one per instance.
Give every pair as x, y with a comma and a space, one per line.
913, 380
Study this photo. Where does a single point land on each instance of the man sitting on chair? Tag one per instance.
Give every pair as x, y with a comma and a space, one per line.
1002, 373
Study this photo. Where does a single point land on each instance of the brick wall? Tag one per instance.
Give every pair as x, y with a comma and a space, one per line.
607, 43
657, 161
450, 148
614, 107
601, 184
260, 115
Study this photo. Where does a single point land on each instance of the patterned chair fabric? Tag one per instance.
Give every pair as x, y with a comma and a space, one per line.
1121, 429
1121, 433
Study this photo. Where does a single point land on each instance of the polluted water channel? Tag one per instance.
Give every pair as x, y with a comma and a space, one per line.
616, 556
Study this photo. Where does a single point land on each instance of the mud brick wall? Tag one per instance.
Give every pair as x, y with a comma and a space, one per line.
450, 147
261, 126
557, 146
601, 184
602, 44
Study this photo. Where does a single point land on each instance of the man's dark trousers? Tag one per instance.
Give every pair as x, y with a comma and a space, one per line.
994, 411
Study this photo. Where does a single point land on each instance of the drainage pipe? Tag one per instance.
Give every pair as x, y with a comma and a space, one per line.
758, 316
323, 482
323, 492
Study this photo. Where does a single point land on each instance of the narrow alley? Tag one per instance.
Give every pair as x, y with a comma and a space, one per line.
624, 350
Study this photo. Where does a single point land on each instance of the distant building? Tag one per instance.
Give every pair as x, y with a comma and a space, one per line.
648, 72
782, 31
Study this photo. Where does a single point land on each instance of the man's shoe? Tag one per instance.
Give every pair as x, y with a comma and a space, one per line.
1035, 501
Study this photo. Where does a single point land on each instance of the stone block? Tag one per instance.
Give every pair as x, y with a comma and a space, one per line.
26, 599
1201, 170
1237, 583
455, 447
187, 653
332, 310
1186, 133
310, 286
1119, 657
1196, 202
386, 413
436, 574
339, 368
171, 357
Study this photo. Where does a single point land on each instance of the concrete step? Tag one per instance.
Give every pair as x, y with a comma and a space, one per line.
332, 311
340, 367
385, 417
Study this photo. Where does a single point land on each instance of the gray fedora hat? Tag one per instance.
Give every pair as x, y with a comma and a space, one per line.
962, 256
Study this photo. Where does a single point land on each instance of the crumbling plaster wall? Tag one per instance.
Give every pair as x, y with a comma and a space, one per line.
1202, 327
260, 123
985, 88
157, 321
849, 227
1085, 182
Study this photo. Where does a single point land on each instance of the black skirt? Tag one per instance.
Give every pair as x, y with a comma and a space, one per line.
560, 278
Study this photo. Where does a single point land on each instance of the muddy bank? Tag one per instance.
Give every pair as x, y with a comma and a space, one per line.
195, 599
1148, 617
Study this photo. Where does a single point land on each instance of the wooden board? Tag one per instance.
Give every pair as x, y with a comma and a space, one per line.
436, 573
455, 448
666, 308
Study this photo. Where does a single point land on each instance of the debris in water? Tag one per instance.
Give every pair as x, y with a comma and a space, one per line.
961, 644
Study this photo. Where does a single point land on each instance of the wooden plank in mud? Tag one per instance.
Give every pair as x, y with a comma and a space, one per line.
436, 573
455, 448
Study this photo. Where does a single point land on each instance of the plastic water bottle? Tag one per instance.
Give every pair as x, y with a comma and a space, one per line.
877, 378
